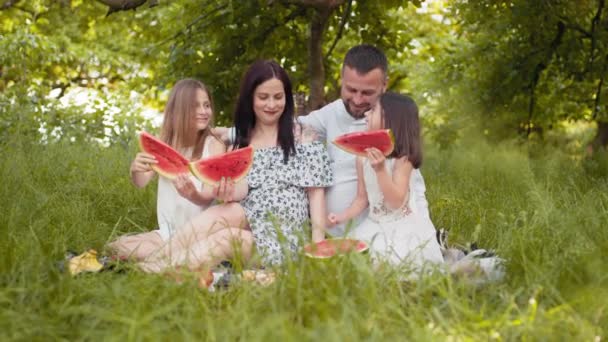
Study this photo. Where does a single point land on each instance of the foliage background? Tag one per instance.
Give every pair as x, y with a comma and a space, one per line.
513, 103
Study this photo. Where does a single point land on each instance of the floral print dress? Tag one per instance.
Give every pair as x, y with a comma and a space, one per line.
276, 205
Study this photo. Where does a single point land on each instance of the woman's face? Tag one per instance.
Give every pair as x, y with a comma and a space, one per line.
269, 101
202, 110
374, 117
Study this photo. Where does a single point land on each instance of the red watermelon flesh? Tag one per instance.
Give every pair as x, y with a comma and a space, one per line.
358, 142
170, 162
332, 247
234, 164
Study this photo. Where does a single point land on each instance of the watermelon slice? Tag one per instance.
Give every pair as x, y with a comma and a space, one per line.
234, 164
358, 142
170, 162
332, 247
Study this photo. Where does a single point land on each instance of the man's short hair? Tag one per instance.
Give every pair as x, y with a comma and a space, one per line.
365, 58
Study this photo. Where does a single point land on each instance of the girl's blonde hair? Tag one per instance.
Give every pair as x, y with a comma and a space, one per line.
179, 111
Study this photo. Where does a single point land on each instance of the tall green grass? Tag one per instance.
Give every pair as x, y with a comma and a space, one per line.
546, 215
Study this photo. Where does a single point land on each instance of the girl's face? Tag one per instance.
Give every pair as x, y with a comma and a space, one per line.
269, 101
202, 110
374, 117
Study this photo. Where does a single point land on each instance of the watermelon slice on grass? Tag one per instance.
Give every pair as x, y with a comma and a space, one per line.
329, 248
358, 142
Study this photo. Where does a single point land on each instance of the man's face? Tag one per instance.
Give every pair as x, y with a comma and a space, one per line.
361, 92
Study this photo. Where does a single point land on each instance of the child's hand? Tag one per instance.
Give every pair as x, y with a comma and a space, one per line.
376, 158
142, 162
185, 187
333, 219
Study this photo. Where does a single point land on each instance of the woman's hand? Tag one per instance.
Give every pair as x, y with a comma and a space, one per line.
143, 162
185, 187
225, 190
376, 158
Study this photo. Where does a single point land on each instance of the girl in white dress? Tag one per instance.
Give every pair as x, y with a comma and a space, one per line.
187, 128
396, 232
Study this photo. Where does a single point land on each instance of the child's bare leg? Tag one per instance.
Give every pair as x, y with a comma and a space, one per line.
137, 246
203, 225
207, 253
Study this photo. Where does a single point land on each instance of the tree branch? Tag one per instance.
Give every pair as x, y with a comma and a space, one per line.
561, 27
8, 4
124, 5
594, 23
191, 24
598, 92
345, 17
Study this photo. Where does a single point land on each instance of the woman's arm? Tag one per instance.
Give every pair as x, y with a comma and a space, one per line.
316, 200
396, 188
359, 203
141, 171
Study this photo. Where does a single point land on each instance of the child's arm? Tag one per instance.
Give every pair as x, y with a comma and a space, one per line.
397, 188
316, 200
141, 171
359, 203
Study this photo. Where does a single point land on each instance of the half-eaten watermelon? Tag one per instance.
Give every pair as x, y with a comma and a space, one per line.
234, 164
332, 247
358, 142
170, 162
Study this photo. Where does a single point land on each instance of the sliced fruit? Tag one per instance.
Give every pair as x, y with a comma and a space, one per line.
170, 162
332, 247
358, 142
234, 164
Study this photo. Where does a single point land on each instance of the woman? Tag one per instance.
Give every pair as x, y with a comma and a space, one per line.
285, 183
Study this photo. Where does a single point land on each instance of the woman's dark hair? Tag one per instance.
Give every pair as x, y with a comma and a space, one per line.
400, 114
244, 115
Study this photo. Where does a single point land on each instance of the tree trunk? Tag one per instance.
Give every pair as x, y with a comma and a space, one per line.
601, 137
315, 50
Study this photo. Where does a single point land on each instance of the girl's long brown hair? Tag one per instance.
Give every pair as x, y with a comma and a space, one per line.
179, 111
400, 114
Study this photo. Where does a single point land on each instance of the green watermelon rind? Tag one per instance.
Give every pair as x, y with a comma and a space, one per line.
156, 167
358, 250
210, 181
345, 148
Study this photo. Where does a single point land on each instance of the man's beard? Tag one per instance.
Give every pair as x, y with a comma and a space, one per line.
353, 114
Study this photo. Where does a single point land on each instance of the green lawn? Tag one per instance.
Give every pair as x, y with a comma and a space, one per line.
547, 215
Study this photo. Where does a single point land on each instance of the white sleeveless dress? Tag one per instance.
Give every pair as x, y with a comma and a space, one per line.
174, 211
394, 236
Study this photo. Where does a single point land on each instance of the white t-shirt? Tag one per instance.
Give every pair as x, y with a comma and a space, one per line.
332, 121
174, 211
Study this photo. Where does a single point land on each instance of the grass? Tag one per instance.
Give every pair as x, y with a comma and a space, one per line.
547, 215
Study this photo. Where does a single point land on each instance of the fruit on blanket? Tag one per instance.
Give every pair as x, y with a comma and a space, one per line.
332, 247
170, 162
234, 164
85, 262
358, 142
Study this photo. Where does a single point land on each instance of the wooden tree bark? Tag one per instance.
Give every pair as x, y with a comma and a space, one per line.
315, 51
318, 25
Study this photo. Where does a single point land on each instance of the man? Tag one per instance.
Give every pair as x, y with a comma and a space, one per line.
364, 79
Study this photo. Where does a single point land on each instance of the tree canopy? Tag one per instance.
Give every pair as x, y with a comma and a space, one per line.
521, 68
